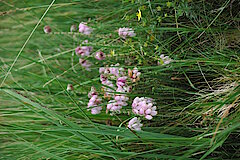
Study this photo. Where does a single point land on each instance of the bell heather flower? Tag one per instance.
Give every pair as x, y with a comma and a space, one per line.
84, 29
47, 29
144, 106
126, 32
164, 60
93, 104
70, 87
135, 124
100, 55
83, 51
85, 63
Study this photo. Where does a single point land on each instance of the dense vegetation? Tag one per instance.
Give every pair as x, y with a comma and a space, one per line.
197, 94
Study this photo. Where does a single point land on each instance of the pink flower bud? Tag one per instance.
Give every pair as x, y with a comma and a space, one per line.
70, 87
83, 51
85, 63
100, 55
84, 29
47, 29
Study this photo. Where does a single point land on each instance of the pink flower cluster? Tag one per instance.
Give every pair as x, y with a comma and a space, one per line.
120, 100
135, 124
94, 102
144, 106
83, 51
84, 29
85, 64
112, 71
114, 79
116, 94
110, 86
116, 73
115, 106
86, 50
100, 55
126, 32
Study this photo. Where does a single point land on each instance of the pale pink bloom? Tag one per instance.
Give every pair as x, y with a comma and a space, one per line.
121, 97
96, 110
107, 76
47, 29
120, 100
164, 60
126, 32
85, 63
115, 106
108, 90
103, 78
101, 70
100, 55
83, 51
116, 71
93, 104
135, 124
84, 29
121, 81
70, 87
144, 106
108, 83
104, 70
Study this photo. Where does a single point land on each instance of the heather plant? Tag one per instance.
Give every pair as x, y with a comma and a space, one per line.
130, 79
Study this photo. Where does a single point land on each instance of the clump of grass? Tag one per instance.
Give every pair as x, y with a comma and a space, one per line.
197, 94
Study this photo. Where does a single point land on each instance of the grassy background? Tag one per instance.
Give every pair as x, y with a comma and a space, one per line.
197, 95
